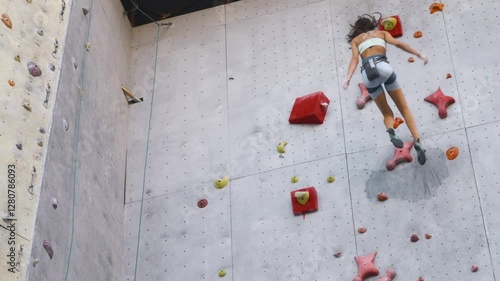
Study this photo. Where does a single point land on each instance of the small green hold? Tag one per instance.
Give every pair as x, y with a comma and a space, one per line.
295, 179
222, 273
221, 183
330, 179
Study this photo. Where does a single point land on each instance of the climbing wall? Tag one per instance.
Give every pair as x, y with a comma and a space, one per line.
85, 164
31, 39
69, 172
219, 86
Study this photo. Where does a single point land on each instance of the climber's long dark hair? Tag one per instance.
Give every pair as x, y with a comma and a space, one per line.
363, 24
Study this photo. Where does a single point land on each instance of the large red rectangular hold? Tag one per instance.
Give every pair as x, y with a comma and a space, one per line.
398, 29
309, 109
310, 206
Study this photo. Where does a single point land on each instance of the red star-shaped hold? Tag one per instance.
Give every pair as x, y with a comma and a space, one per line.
400, 155
441, 102
366, 267
365, 96
389, 275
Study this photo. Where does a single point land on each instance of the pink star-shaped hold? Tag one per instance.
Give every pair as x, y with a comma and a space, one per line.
365, 96
389, 275
441, 101
366, 267
400, 155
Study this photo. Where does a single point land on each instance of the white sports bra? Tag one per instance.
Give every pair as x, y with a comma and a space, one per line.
370, 42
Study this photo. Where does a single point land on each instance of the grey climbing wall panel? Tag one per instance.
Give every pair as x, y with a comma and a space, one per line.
483, 140
278, 58
288, 247
95, 252
439, 198
209, 120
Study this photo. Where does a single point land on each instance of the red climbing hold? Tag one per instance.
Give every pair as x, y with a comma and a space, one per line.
365, 96
441, 101
414, 238
202, 203
366, 267
389, 275
400, 155
304, 202
397, 31
309, 109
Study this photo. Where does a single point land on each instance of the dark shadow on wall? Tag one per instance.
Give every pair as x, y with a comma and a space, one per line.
410, 182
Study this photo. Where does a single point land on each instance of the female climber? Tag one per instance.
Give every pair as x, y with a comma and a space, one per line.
371, 45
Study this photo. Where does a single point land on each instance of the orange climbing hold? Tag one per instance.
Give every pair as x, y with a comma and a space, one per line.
436, 7
12, 83
418, 34
6, 20
452, 153
398, 121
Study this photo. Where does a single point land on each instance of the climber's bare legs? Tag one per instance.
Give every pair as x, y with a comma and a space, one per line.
400, 101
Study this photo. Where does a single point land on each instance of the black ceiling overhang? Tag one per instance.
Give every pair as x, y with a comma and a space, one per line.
164, 9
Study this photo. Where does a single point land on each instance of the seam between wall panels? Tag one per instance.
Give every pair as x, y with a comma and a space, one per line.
343, 132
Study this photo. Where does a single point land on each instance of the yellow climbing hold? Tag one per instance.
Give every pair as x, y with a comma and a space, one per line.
389, 23
281, 147
222, 273
295, 179
222, 182
330, 179
17, 58
302, 197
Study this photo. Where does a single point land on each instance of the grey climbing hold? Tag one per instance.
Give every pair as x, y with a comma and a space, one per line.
19, 146
52, 67
32, 184
26, 106
63, 8
7, 217
56, 47
75, 65
47, 95
48, 248
41, 130
35, 262
85, 11
33, 69
40, 32
54, 203
65, 124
